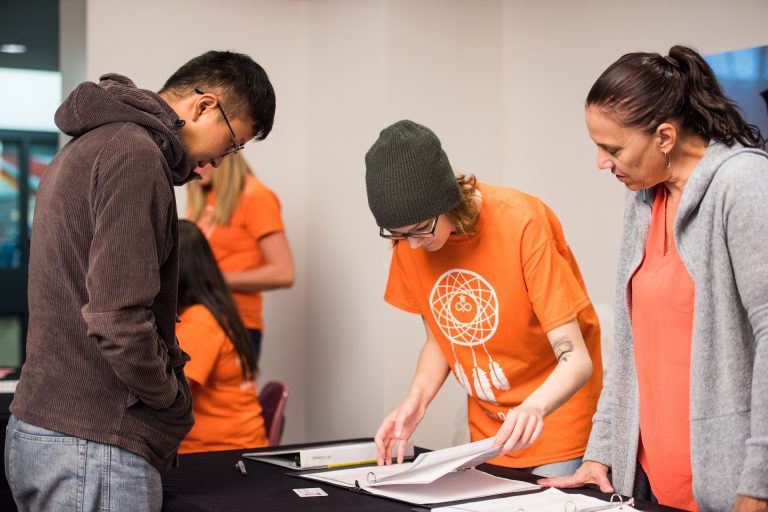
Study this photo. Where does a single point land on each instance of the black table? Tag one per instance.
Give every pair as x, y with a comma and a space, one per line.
208, 482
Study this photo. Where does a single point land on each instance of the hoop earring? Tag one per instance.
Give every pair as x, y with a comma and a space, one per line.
667, 159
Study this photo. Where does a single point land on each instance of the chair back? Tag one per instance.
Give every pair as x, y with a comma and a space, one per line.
272, 398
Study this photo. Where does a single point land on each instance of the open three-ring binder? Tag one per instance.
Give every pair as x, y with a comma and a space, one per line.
440, 476
550, 500
304, 457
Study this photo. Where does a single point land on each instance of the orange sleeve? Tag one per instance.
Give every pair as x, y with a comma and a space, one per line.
398, 293
263, 213
554, 291
202, 339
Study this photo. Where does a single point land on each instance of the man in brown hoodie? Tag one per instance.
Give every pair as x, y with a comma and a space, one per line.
102, 403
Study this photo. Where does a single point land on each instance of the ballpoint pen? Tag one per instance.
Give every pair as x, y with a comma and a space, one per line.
240, 466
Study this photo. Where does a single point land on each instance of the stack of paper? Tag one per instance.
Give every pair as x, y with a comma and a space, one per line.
434, 477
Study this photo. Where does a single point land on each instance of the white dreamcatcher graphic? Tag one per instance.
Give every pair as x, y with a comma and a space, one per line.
465, 307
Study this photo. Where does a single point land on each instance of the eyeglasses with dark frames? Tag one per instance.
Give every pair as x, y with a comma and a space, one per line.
396, 235
235, 146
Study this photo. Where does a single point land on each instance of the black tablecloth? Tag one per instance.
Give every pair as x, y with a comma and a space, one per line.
208, 482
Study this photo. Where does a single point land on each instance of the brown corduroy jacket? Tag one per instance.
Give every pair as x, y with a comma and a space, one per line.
103, 363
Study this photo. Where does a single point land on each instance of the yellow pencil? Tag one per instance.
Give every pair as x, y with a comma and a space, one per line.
358, 463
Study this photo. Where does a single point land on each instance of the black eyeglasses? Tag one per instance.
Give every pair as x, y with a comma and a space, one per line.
396, 235
235, 146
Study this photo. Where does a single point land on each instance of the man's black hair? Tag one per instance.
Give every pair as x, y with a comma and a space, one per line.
241, 84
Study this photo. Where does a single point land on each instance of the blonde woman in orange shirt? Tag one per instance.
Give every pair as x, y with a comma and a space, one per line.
241, 219
223, 367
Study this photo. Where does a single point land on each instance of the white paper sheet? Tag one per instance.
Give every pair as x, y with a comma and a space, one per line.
426, 468
456, 485
430, 466
434, 477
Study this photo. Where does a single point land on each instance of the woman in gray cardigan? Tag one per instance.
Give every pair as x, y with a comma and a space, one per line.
685, 400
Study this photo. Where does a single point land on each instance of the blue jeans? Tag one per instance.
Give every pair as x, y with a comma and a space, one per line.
50, 471
563, 468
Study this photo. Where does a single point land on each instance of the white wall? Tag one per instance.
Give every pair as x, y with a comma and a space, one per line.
553, 52
501, 82
147, 41
373, 63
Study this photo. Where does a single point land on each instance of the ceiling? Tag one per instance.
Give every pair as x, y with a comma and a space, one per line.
35, 24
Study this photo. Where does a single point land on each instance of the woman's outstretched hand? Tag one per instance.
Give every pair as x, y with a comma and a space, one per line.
590, 472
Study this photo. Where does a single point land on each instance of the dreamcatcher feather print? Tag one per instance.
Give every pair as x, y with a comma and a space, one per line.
465, 307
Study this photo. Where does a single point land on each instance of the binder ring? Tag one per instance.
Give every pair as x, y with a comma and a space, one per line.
620, 501
371, 477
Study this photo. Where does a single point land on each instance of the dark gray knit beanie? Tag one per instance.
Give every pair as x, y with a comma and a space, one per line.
408, 176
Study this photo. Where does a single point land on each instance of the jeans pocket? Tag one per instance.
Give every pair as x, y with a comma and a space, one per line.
46, 469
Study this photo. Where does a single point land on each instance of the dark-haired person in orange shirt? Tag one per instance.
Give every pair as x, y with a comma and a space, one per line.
223, 368
241, 219
502, 299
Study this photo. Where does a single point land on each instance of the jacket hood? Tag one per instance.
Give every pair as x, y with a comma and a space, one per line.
115, 99
704, 173
700, 179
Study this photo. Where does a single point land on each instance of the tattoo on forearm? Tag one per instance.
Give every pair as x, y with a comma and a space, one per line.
562, 348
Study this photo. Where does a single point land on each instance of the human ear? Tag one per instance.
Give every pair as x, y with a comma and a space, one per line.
202, 103
666, 135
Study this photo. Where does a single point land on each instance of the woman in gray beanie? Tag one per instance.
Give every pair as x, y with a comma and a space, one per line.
503, 304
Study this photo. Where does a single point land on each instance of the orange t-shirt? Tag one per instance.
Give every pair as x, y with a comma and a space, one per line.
662, 327
227, 411
490, 300
236, 245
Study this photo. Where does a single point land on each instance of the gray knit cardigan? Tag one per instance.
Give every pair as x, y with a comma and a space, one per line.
721, 233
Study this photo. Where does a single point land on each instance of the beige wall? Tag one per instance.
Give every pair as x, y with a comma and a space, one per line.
501, 82
124, 37
553, 52
371, 64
